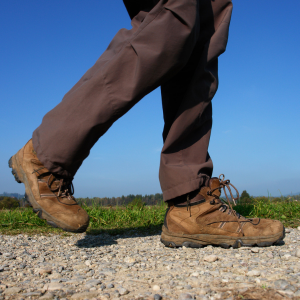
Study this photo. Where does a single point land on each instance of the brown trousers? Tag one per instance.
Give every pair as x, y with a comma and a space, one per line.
174, 45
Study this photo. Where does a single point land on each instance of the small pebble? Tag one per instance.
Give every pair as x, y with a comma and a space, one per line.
123, 291
11, 291
254, 273
210, 258
255, 250
45, 271
185, 296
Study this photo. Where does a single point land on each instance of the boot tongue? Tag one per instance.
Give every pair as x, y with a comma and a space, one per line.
214, 184
55, 184
65, 196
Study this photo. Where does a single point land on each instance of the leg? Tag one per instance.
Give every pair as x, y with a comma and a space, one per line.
185, 162
136, 62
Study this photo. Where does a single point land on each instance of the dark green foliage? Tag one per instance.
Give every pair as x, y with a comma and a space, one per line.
244, 195
8, 203
136, 203
121, 201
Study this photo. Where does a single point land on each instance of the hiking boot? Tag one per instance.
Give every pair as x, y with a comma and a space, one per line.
50, 196
209, 221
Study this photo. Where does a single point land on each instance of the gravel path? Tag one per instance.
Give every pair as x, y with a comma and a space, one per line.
135, 267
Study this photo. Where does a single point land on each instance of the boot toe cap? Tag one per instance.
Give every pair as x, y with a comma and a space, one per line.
73, 221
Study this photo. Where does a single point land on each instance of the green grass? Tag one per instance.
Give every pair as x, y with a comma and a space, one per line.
142, 219
288, 212
116, 220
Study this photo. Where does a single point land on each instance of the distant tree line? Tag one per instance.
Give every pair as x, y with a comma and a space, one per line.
138, 200
12, 195
8, 202
152, 199
245, 198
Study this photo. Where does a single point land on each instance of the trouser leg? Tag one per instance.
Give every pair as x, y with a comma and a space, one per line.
185, 162
136, 62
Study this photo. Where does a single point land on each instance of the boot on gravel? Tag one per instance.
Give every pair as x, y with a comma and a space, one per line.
50, 196
209, 221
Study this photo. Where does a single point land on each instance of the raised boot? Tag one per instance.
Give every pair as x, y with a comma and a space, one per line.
50, 196
209, 221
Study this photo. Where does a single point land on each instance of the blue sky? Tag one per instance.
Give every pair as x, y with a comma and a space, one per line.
46, 46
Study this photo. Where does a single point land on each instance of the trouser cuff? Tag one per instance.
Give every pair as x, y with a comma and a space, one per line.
186, 187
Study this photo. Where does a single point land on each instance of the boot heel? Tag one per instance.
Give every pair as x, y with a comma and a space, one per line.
14, 171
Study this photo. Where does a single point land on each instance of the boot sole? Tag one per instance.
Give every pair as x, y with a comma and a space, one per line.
174, 240
20, 177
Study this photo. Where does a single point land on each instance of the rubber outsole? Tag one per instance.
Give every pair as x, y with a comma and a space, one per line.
183, 241
38, 210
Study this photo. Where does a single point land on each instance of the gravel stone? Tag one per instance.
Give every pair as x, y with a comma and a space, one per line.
93, 282
12, 290
47, 296
7, 254
157, 297
53, 286
185, 296
45, 271
255, 250
254, 273
297, 294
123, 291
211, 258
84, 295
281, 284
32, 294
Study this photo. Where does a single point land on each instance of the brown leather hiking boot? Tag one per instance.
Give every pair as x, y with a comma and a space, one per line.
50, 196
211, 222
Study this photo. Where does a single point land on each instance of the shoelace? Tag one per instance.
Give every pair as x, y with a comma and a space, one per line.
188, 206
223, 185
63, 187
